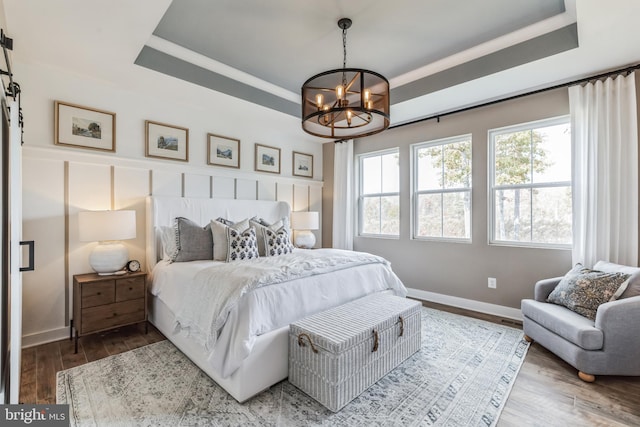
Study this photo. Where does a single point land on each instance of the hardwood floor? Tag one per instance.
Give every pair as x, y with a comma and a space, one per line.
547, 391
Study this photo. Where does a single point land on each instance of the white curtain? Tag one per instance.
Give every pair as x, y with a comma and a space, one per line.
605, 171
343, 195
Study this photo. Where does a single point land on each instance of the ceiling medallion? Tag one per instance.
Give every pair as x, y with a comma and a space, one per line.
345, 103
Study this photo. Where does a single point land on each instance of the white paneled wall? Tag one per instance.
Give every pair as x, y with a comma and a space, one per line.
58, 184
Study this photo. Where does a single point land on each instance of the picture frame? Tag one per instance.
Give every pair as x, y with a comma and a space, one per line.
302, 164
267, 159
223, 151
165, 141
84, 127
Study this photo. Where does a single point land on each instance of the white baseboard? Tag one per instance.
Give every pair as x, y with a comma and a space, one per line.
51, 335
468, 304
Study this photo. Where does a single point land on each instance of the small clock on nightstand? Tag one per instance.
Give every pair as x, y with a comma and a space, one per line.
133, 266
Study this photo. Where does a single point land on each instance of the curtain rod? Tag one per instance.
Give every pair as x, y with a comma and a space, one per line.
509, 98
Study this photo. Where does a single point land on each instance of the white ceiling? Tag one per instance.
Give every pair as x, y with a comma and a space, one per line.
438, 55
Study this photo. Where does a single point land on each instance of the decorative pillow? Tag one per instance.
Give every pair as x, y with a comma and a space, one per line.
192, 242
633, 287
261, 225
583, 290
220, 241
277, 242
168, 241
242, 245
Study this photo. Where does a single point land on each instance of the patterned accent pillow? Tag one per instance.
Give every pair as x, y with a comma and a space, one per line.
220, 240
583, 290
260, 225
192, 242
277, 242
242, 244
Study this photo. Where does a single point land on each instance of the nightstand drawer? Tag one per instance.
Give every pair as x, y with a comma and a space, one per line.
112, 315
98, 293
130, 288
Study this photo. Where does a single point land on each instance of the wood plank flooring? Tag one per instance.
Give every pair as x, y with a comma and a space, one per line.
547, 391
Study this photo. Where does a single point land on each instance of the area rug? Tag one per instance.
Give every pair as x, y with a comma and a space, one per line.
461, 376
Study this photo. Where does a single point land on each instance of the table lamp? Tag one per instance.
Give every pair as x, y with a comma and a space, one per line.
303, 223
108, 228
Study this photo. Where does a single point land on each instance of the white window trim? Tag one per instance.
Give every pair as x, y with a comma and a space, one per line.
491, 188
360, 195
415, 193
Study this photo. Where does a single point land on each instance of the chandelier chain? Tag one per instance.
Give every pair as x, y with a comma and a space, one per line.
344, 55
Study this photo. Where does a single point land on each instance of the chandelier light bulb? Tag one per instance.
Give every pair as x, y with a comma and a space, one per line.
349, 115
319, 100
339, 91
367, 95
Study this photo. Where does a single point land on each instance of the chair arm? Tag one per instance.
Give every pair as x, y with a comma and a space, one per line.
544, 287
618, 320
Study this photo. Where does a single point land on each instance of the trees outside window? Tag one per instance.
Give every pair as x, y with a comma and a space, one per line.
530, 184
442, 189
379, 194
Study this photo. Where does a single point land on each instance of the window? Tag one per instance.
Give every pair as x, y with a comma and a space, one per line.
379, 194
530, 184
442, 189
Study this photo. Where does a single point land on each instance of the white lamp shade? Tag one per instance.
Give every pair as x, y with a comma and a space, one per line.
304, 220
98, 226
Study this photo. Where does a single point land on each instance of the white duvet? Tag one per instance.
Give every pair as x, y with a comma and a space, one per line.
225, 306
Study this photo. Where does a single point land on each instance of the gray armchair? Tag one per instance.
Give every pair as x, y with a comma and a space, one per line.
610, 345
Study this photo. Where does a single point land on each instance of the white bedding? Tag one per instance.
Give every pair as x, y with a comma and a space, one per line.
267, 308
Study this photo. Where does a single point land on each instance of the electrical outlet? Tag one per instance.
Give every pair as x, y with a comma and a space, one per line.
492, 282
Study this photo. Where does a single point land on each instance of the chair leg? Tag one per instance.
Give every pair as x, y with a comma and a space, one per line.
588, 378
527, 338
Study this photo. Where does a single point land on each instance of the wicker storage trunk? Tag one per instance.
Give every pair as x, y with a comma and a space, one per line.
337, 354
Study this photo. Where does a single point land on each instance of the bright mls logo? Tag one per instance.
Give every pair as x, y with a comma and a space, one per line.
36, 415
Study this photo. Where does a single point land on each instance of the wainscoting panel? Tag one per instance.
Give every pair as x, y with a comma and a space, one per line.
43, 221
266, 190
300, 198
196, 185
130, 187
246, 189
166, 183
224, 187
284, 192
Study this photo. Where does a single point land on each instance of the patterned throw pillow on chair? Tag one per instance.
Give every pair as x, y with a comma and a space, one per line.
583, 290
241, 245
277, 242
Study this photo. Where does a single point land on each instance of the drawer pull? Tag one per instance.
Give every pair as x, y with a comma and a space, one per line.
401, 321
99, 293
375, 341
115, 314
130, 288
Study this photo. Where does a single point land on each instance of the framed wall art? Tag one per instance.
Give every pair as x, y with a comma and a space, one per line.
166, 141
223, 151
84, 127
302, 164
267, 159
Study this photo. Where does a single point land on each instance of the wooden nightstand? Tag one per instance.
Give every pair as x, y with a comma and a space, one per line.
107, 302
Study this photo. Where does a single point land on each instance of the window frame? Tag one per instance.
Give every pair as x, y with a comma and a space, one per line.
491, 187
415, 193
360, 196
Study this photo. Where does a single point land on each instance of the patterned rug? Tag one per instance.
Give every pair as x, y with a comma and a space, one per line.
462, 376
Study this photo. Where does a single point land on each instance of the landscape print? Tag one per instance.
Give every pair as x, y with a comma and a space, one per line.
86, 128
302, 164
168, 143
224, 152
268, 160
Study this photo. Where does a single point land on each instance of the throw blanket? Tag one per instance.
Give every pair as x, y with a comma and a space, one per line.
217, 289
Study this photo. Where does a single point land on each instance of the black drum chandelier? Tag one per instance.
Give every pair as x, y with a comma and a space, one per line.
345, 103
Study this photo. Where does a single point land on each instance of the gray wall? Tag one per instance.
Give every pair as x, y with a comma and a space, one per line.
461, 269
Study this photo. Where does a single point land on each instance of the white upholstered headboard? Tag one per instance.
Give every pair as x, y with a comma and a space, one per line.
161, 211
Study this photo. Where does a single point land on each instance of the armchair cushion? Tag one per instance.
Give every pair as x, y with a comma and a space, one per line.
571, 326
583, 290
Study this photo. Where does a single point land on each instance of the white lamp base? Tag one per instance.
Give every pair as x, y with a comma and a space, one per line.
108, 258
304, 239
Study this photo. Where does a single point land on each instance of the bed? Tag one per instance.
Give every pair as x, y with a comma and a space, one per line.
248, 351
